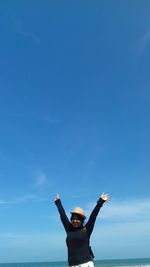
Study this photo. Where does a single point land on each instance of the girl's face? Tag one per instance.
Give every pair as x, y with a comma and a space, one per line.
76, 220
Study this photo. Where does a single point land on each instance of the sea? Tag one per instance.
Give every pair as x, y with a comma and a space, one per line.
101, 263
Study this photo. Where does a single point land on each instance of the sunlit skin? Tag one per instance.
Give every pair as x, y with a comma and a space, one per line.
105, 197
76, 223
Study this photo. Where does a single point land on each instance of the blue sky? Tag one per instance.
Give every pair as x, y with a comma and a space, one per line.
75, 120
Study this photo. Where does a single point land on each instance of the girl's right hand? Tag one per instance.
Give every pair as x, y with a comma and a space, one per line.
56, 197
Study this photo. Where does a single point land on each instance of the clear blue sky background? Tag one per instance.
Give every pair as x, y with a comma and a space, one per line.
74, 120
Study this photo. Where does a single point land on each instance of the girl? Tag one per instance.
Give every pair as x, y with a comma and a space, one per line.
78, 233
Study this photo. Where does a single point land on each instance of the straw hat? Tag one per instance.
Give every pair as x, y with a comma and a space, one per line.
79, 211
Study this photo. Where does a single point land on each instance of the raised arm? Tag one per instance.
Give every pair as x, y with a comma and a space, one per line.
90, 224
62, 213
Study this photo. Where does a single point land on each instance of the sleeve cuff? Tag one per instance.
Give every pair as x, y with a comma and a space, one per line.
100, 201
57, 201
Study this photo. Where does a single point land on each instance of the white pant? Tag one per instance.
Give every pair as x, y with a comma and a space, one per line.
87, 264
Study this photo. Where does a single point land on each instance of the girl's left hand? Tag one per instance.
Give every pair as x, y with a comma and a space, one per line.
105, 197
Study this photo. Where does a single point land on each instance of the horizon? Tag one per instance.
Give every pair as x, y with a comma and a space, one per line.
65, 261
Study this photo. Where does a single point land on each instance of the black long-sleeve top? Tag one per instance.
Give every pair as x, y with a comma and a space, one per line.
78, 239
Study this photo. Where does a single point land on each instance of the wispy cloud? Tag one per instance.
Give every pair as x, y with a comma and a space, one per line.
28, 34
50, 120
40, 180
26, 247
3, 202
126, 211
66, 161
36, 238
2, 157
144, 41
129, 211
25, 198
35, 119
8, 236
21, 199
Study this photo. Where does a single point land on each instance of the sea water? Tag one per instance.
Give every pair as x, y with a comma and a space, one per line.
101, 263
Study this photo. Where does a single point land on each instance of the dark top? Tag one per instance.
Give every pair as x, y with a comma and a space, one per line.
77, 239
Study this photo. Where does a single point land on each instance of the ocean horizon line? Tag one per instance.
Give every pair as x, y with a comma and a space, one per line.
119, 260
